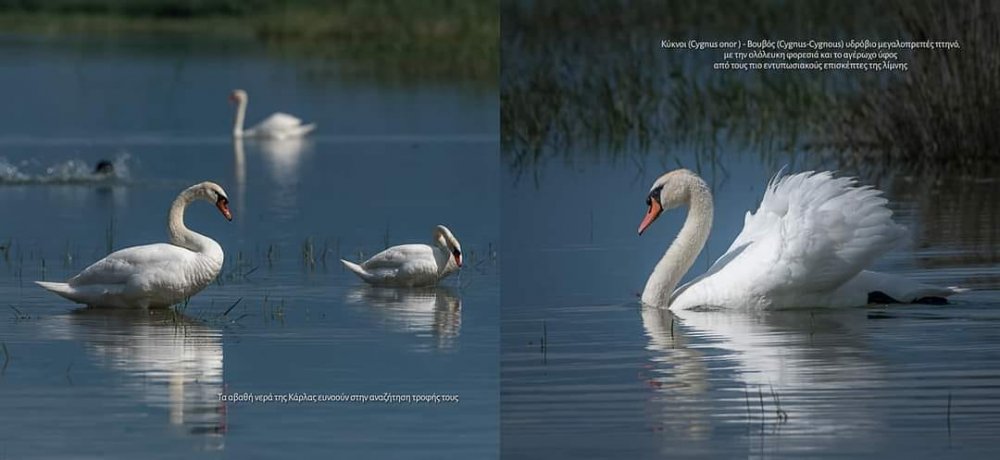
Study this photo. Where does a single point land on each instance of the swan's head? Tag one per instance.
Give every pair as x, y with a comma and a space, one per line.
210, 191
670, 191
446, 240
238, 96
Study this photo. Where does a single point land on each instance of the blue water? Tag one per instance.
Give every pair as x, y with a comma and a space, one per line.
587, 372
387, 164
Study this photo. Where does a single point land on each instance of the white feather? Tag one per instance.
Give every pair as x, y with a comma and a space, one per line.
153, 275
808, 244
411, 264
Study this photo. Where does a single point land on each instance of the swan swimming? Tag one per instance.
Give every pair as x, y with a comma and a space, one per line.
808, 245
411, 265
277, 126
154, 275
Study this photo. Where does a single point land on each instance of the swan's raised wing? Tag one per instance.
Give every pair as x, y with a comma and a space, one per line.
119, 266
811, 233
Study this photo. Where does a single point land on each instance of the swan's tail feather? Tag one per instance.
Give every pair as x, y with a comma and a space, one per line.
305, 129
95, 294
62, 289
357, 269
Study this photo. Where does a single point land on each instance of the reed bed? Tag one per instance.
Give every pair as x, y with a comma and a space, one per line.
588, 78
942, 114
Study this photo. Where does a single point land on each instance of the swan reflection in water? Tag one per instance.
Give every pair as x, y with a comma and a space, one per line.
777, 372
282, 158
434, 312
171, 361
240, 175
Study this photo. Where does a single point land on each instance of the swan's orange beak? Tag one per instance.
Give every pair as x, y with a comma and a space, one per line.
223, 205
458, 258
654, 211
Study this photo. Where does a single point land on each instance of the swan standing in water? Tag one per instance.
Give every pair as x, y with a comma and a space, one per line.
153, 275
412, 265
807, 245
277, 126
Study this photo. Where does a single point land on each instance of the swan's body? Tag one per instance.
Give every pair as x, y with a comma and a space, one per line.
277, 126
412, 264
153, 275
808, 245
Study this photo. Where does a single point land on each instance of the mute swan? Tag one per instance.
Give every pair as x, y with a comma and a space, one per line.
153, 275
807, 245
277, 126
412, 264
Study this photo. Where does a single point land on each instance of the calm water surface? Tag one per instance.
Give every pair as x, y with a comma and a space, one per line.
388, 163
587, 372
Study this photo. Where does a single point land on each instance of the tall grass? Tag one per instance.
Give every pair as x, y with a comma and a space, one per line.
942, 115
589, 76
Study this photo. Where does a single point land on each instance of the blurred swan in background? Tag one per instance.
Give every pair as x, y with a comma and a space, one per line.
277, 126
153, 275
808, 245
412, 264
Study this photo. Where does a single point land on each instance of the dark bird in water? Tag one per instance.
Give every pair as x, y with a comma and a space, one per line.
104, 167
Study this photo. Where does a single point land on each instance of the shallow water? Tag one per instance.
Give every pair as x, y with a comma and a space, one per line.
388, 163
586, 372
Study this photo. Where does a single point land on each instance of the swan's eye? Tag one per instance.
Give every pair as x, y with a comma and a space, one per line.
456, 253
654, 195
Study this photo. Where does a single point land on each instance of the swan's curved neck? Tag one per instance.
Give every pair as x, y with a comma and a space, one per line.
442, 255
180, 235
241, 111
681, 254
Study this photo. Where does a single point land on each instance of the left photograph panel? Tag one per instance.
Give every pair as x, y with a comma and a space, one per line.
251, 230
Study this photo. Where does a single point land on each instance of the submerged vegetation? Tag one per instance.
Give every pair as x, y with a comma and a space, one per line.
590, 76
392, 39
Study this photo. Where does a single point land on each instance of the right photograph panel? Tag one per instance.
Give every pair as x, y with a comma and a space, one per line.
759, 229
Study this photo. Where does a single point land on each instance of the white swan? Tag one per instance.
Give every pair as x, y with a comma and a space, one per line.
412, 264
277, 126
153, 275
807, 245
